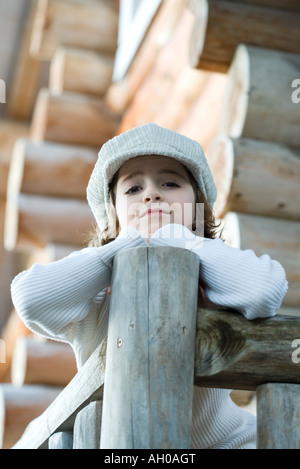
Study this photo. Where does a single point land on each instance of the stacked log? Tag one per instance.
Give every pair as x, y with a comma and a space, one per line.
258, 101
38, 361
255, 177
87, 24
80, 71
72, 118
19, 406
60, 215
221, 26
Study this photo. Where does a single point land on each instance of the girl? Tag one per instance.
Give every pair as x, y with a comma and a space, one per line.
145, 188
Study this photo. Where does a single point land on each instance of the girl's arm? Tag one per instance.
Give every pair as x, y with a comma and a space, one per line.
233, 278
51, 297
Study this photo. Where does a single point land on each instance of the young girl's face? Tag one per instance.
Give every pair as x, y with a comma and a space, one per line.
153, 191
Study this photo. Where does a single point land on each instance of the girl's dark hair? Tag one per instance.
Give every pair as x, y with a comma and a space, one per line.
210, 230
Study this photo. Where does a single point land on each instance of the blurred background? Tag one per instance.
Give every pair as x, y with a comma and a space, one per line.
74, 73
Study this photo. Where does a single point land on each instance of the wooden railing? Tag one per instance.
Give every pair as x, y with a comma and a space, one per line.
159, 345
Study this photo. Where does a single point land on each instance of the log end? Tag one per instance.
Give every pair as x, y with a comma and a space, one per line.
235, 102
220, 157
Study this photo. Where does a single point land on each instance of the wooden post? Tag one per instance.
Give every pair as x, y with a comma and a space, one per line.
258, 100
61, 440
87, 427
278, 419
150, 352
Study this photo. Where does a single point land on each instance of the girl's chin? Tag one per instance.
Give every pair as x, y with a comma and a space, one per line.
148, 229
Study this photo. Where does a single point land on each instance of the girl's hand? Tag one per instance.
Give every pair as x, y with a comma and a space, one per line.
176, 236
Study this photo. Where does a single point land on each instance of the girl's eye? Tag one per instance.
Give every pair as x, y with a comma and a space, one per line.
171, 184
133, 190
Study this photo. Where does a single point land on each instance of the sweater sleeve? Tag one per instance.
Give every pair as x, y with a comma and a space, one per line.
233, 278
49, 298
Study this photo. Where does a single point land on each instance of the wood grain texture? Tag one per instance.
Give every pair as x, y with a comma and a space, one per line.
220, 26
150, 353
255, 177
61, 440
258, 101
87, 427
85, 24
278, 416
233, 352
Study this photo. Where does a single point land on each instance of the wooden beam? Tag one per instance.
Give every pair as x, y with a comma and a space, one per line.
80, 71
255, 177
233, 352
278, 238
72, 118
258, 100
220, 26
87, 24
35, 221
50, 169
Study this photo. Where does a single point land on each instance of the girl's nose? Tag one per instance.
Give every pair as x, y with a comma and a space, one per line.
152, 195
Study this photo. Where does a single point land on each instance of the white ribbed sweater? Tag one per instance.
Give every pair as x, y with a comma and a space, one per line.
68, 301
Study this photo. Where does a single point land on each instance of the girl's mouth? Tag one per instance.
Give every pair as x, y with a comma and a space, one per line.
152, 212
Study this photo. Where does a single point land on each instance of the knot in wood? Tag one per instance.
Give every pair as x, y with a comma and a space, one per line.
218, 345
